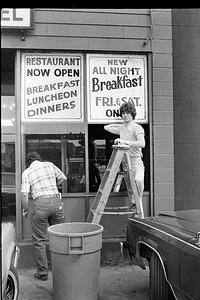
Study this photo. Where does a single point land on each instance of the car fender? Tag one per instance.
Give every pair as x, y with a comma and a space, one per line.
8, 258
8, 250
160, 256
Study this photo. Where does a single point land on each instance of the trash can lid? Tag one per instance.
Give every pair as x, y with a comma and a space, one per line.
75, 229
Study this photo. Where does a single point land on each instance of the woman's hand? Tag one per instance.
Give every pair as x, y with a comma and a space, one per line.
117, 141
120, 141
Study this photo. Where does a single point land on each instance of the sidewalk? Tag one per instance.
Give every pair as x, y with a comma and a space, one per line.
127, 282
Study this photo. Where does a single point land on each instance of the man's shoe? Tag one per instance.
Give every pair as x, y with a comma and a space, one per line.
42, 277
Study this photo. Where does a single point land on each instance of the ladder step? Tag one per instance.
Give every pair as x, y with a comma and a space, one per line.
121, 173
112, 210
117, 213
117, 207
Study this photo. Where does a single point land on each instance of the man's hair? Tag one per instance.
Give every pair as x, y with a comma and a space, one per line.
128, 107
31, 156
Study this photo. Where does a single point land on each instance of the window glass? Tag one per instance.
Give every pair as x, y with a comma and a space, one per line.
48, 146
8, 204
67, 152
100, 150
8, 177
7, 72
75, 162
8, 114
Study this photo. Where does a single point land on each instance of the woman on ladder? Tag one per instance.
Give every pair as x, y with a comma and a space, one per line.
131, 134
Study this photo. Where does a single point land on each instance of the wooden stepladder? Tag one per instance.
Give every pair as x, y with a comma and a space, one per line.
111, 176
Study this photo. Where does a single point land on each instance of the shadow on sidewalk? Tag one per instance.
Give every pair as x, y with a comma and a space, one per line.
121, 282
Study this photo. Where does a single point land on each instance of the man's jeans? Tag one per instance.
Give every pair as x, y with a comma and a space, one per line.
45, 212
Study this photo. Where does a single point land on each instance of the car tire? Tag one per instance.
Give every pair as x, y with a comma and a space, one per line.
12, 285
158, 286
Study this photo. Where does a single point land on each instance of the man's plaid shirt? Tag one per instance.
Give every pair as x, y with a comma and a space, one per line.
41, 179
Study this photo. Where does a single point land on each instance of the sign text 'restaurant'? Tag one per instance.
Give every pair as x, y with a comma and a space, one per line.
52, 87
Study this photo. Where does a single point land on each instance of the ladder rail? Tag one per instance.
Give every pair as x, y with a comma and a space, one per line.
105, 187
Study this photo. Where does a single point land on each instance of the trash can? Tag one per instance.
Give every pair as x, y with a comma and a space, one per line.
75, 254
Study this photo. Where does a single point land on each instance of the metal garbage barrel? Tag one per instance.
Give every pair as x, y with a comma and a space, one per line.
75, 254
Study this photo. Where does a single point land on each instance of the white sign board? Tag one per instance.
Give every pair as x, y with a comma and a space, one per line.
52, 87
113, 80
16, 18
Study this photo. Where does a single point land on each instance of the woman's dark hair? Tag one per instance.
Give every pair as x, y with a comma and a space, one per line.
31, 156
128, 107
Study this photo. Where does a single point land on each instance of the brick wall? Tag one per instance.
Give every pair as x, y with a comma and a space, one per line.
163, 140
186, 78
84, 29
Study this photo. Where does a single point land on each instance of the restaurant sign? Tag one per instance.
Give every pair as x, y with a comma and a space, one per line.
52, 87
113, 80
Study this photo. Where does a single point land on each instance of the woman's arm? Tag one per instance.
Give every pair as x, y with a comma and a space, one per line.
139, 143
113, 128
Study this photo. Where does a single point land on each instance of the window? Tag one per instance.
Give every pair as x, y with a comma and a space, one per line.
7, 72
100, 149
59, 137
67, 152
8, 136
8, 177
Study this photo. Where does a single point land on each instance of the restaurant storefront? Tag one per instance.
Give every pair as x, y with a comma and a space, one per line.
58, 95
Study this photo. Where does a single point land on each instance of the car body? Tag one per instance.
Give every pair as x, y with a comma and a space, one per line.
170, 243
10, 256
